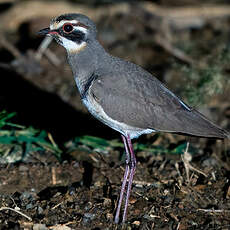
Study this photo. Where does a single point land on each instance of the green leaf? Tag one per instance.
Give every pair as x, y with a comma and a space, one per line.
16, 135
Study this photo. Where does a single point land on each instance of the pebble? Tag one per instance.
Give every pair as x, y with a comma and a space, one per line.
40, 210
88, 206
137, 222
23, 168
109, 216
26, 196
40, 227
76, 164
88, 217
210, 162
107, 202
29, 206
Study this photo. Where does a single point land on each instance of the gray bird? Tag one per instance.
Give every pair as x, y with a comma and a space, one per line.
122, 95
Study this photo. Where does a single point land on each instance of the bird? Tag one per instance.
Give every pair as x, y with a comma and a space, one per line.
123, 95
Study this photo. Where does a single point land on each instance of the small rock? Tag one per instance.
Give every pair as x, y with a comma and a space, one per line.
88, 217
23, 168
61, 227
26, 196
107, 202
65, 162
76, 164
29, 206
210, 162
136, 222
40, 210
40, 227
109, 216
88, 206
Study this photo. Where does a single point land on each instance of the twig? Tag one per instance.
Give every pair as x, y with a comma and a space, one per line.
93, 158
61, 226
178, 226
186, 158
43, 46
179, 17
213, 210
52, 140
142, 183
57, 205
187, 16
14, 210
7, 1
44, 50
54, 178
142, 196
197, 170
173, 50
11, 48
52, 57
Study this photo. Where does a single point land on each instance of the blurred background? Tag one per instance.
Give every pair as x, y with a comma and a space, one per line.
184, 43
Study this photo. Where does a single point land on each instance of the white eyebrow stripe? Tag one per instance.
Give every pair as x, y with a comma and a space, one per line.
56, 25
84, 30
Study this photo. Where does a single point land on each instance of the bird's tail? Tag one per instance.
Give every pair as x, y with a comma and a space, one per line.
196, 124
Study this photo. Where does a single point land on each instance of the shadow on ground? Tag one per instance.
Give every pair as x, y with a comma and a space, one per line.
46, 111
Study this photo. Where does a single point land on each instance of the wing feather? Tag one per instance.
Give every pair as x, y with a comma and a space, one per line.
138, 99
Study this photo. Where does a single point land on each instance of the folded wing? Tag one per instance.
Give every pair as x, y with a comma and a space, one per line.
140, 100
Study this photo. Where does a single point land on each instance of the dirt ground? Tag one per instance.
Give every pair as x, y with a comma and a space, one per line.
82, 194
186, 45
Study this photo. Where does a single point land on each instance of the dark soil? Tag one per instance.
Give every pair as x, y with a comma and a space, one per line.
83, 194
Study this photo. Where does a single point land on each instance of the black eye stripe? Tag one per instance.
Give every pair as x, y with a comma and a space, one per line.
76, 35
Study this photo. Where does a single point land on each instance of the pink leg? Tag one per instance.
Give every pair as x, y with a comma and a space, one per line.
127, 172
132, 172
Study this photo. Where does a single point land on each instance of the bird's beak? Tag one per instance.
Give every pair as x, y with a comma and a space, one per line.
44, 31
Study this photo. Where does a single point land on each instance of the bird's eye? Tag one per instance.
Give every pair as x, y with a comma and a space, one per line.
67, 28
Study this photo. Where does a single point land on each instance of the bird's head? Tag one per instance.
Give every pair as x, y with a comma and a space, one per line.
72, 31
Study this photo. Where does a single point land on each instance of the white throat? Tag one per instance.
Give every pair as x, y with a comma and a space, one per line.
71, 46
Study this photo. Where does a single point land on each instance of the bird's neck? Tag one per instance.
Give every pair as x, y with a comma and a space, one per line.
86, 62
